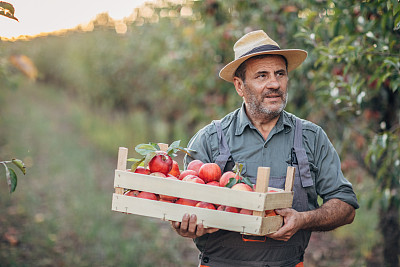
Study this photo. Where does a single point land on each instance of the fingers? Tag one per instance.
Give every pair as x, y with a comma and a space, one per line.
189, 227
282, 234
290, 227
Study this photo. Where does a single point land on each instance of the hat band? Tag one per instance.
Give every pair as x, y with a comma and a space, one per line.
261, 49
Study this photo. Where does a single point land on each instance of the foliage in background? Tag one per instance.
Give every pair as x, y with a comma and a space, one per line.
166, 66
7, 10
356, 75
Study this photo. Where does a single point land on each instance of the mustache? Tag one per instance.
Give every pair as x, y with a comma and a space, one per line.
274, 93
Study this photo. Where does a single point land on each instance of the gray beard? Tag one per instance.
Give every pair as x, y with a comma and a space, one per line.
256, 110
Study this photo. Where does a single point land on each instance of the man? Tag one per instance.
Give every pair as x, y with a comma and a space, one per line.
261, 133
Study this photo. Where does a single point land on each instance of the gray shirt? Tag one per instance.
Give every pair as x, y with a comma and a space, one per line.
248, 147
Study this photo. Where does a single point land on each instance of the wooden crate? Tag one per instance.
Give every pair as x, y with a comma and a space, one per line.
258, 201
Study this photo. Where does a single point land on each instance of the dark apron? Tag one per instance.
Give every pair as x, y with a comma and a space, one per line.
228, 249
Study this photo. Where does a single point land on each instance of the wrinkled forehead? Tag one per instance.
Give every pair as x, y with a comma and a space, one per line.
267, 59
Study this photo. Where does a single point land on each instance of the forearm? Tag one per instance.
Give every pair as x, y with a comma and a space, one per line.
332, 214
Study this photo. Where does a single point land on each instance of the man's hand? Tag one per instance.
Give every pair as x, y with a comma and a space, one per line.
189, 227
292, 222
330, 215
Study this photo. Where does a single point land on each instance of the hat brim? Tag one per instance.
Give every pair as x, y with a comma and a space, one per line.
294, 59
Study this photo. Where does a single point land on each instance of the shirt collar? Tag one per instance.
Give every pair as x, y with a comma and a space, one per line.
284, 122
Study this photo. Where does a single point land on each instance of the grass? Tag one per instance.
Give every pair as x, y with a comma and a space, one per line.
61, 214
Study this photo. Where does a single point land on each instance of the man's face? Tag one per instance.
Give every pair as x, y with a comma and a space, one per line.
265, 88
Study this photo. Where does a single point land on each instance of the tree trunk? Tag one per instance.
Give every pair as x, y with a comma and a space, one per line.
389, 219
390, 229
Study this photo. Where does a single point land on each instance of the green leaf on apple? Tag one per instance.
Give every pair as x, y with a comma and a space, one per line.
175, 147
247, 181
232, 182
155, 145
136, 163
144, 149
238, 168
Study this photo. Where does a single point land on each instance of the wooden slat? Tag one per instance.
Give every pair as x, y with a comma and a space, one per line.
201, 192
210, 218
262, 185
121, 165
270, 224
290, 173
278, 200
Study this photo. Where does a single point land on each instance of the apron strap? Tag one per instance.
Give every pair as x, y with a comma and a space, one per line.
224, 152
301, 155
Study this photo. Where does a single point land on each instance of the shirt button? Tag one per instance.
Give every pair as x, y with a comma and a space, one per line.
206, 259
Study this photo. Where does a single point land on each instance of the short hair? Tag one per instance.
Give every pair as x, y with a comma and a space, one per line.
241, 70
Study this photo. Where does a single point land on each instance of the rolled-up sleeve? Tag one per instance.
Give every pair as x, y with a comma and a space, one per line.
330, 181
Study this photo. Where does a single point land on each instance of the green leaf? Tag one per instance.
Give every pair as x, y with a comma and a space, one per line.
13, 180
7, 10
155, 145
247, 181
175, 145
232, 182
149, 157
144, 149
238, 168
136, 164
20, 165
397, 24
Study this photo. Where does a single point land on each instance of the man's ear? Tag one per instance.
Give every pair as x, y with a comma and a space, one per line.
239, 85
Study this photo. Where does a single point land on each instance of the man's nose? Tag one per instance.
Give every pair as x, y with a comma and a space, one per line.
273, 83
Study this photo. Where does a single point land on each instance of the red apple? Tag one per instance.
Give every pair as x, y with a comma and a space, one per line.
142, 170
246, 211
175, 169
232, 209
147, 195
195, 179
185, 173
195, 165
210, 172
132, 193
187, 202
242, 187
161, 162
215, 183
205, 205
170, 198
228, 209
224, 180
165, 200
270, 213
190, 176
158, 174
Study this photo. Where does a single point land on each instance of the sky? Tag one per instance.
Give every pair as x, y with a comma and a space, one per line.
42, 16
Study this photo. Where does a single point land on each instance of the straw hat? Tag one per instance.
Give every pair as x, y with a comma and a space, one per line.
259, 43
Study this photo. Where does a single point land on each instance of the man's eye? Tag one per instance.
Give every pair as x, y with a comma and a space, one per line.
280, 74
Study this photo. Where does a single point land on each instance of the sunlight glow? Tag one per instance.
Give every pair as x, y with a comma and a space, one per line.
44, 16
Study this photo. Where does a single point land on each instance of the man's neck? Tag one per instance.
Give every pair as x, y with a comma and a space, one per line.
264, 125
